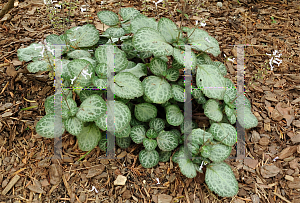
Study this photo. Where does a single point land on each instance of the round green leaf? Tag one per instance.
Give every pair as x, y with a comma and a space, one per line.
123, 142
122, 116
211, 82
115, 32
76, 54
148, 159
168, 29
138, 134
164, 156
128, 13
108, 17
149, 144
178, 93
157, 89
167, 140
141, 21
89, 137
202, 41
219, 152
221, 180
128, 86
91, 108
212, 110
45, 127
180, 57
124, 133
81, 72
73, 125
186, 166
145, 112
151, 133
172, 74
223, 132
120, 60
149, 40
158, 67
174, 115
83, 36
157, 124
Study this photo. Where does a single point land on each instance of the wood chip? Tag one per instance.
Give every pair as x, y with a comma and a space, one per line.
268, 171
121, 180
35, 189
11, 183
95, 171
287, 152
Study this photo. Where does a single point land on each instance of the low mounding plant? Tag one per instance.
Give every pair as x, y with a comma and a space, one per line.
147, 83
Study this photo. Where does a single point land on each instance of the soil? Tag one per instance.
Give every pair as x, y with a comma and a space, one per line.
269, 172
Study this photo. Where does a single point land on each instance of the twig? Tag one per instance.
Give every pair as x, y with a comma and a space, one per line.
4, 64
279, 17
281, 197
4, 88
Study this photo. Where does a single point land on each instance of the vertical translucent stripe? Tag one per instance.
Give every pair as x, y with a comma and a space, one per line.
110, 153
187, 102
240, 153
58, 125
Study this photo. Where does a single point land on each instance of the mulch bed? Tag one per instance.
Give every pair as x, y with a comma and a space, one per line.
270, 171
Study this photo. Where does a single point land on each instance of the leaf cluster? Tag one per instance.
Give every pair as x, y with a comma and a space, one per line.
149, 93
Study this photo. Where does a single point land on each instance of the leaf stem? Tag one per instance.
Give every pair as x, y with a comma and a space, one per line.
84, 155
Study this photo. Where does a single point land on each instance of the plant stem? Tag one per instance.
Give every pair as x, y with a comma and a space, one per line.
84, 155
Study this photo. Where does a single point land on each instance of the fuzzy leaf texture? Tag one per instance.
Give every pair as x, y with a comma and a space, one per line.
157, 89
150, 40
83, 36
149, 159
46, 128
89, 137
128, 86
167, 141
122, 116
211, 82
221, 180
202, 41
108, 17
223, 132
91, 108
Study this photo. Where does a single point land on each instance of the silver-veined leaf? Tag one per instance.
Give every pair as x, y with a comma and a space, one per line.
108, 17
150, 40
46, 127
128, 86
211, 82
224, 132
145, 112
157, 89
212, 110
91, 108
221, 180
149, 159
173, 115
89, 137
202, 41
167, 140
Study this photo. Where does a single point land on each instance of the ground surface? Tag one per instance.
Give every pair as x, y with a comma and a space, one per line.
274, 95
